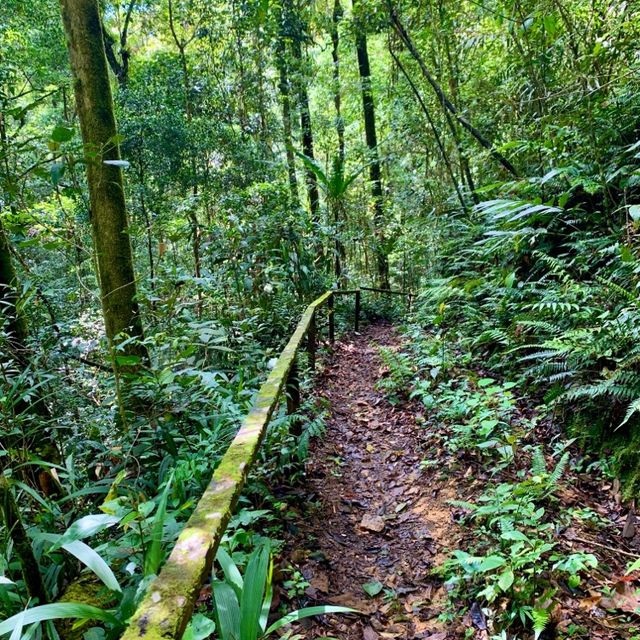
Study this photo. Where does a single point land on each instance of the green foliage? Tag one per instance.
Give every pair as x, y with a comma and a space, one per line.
242, 602
535, 277
395, 383
513, 567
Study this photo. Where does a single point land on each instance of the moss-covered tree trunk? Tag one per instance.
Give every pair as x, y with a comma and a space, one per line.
371, 136
106, 194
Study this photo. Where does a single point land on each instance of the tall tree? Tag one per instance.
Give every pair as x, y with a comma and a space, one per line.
284, 88
298, 28
434, 129
119, 61
336, 17
371, 136
449, 108
182, 42
109, 222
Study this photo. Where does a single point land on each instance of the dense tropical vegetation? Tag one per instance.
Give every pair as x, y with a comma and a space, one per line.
179, 178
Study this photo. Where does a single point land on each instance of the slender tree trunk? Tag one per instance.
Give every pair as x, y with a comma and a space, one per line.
106, 193
447, 105
375, 173
22, 543
285, 99
16, 324
147, 221
465, 166
340, 255
244, 117
182, 44
337, 96
306, 130
120, 67
435, 131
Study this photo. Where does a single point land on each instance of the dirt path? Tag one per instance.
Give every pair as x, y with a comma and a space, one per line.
374, 522
370, 518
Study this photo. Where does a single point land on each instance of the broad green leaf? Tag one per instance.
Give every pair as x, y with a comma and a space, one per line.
307, 613
16, 634
372, 588
199, 628
62, 134
506, 579
88, 556
268, 597
227, 611
491, 562
255, 581
86, 527
154, 555
230, 570
93, 561
59, 611
514, 535
633, 566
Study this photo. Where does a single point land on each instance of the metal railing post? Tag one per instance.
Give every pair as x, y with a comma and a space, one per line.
332, 320
311, 343
293, 397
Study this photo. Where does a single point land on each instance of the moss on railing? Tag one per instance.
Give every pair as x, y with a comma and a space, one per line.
168, 604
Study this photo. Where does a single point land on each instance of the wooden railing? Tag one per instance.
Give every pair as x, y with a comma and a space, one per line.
168, 604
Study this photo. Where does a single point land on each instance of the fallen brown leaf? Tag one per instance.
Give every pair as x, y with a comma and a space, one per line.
369, 634
372, 523
625, 597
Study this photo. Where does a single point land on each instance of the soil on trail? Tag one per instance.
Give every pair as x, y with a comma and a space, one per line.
370, 519
374, 519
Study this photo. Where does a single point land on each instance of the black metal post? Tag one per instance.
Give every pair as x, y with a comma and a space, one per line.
332, 320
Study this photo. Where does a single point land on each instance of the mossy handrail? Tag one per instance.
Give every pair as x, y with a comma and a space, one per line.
168, 604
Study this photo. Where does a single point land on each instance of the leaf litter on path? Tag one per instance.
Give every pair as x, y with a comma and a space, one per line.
376, 519
382, 518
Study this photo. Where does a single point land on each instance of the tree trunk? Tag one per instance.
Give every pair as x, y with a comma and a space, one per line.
337, 97
375, 173
285, 99
22, 543
16, 324
119, 67
435, 131
106, 192
306, 130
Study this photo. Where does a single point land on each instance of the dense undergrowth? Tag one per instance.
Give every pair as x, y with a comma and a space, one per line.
266, 158
543, 294
515, 572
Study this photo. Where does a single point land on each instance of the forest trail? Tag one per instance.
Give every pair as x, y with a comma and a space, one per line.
370, 522
375, 517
